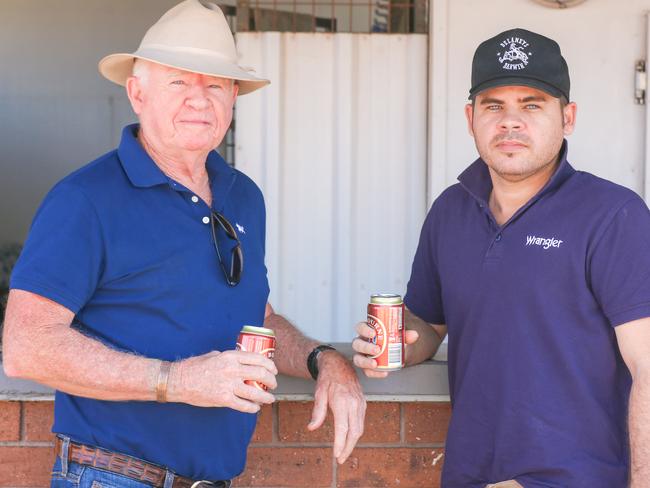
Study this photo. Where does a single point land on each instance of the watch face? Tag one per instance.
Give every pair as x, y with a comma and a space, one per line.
559, 3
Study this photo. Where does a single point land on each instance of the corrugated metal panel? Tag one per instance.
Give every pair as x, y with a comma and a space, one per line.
337, 143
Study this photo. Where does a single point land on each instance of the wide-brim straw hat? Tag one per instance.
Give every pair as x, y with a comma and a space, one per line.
192, 36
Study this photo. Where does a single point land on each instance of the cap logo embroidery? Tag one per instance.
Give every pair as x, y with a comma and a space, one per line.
240, 228
514, 57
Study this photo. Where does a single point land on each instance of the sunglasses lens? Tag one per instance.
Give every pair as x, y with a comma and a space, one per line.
226, 226
233, 275
237, 264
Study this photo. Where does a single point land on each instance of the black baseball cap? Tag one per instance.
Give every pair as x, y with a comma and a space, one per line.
520, 57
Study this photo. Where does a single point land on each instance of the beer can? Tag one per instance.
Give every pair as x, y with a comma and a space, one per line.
386, 317
259, 340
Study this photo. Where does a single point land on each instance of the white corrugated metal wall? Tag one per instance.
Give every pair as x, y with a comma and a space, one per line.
337, 143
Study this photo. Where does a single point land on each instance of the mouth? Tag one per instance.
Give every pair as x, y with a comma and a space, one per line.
511, 146
196, 122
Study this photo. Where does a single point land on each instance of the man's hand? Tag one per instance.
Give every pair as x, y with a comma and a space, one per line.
365, 350
217, 379
338, 387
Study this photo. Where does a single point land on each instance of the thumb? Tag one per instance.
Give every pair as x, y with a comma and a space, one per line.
410, 336
319, 412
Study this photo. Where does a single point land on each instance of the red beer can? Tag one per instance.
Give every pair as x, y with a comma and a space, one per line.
259, 340
386, 316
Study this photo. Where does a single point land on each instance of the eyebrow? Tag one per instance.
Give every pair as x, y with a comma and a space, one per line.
532, 98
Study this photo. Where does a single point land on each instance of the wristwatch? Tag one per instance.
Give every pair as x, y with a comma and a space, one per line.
312, 363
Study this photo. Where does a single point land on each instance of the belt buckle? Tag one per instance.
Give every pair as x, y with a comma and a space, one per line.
197, 484
200, 483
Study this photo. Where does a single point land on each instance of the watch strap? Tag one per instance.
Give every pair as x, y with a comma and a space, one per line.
312, 363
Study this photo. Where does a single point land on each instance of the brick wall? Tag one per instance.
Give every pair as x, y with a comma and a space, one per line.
402, 446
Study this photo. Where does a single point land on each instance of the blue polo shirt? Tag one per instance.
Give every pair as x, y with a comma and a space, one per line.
539, 390
128, 251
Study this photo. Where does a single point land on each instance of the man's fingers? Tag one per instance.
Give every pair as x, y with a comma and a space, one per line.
355, 430
364, 330
253, 394
340, 433
410, 336
364, 362
244, 405
370, 373
319, 412
258, 373
365, 347
255, 359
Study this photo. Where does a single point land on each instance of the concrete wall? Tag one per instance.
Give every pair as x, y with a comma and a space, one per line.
56, 111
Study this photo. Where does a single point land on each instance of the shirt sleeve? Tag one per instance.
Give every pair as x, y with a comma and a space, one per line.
423, 292
619, 266
63, 255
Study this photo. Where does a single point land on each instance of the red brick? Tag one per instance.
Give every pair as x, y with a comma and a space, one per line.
426, 422
287, 467
38, 421
382, 423
264, 427
392, 467
293, 418
9, 421
26, 466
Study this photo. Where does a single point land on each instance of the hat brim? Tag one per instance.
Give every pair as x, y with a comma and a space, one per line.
118, 67
518, 81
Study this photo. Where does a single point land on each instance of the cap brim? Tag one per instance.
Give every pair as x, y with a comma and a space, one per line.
118, 67
518, 81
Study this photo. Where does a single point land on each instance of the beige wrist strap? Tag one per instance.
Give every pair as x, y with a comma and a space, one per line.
163, 379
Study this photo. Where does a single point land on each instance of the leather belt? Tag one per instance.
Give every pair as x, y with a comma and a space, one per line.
129, 466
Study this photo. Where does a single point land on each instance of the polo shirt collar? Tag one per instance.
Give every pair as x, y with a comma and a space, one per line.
143, 172
138, 165
222, 178
477, 182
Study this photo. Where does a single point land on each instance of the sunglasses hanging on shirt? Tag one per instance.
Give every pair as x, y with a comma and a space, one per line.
234, 271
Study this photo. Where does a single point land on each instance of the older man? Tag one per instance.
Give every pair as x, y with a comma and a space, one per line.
140, 270
541, 275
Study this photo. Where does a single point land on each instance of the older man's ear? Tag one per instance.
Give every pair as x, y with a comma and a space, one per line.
135, 93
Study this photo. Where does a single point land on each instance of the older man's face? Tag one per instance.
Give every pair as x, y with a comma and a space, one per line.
182, 111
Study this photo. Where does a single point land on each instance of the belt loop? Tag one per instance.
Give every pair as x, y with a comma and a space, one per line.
169, 479
65, 448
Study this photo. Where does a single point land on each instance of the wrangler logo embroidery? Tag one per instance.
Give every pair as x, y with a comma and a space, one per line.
240, 228
544, 242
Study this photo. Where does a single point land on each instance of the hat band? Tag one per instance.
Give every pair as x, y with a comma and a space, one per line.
146, 50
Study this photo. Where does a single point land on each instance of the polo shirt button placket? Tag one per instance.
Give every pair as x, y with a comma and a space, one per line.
195, 199
205, 220
495, 250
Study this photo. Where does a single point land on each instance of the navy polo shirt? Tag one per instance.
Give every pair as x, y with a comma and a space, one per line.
539, 390
128, 250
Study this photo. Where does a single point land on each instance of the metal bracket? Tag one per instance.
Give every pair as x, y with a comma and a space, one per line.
640, 82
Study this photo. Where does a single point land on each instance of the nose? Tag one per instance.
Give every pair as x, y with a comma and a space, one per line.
197, 98
510, 120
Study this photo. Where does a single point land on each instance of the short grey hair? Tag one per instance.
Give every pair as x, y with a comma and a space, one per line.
141, 70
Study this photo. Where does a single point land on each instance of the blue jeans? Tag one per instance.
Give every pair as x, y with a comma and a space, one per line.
80, 476
66, 474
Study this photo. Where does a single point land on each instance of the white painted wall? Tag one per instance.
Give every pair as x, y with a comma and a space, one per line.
601, 40
338, 144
